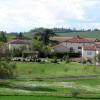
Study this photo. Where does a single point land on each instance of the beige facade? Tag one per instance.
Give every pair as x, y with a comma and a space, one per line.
19, 43
16, 46
76, 46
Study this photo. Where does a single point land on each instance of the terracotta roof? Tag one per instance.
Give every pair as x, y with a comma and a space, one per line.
18, 41
90, 48
79, 40
60, 45
97, 44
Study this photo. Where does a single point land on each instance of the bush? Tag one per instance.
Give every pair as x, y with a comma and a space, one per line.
67, 59
7, 69
54, 60
75, 92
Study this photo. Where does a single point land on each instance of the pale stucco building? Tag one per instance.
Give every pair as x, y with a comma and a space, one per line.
18, 43
74, 44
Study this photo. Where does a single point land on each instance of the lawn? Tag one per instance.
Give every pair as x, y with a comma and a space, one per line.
86, 88
51, 89
39, 98
35, 70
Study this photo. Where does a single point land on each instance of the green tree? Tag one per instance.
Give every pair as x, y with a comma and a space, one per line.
47, 33
3, 37
98, 57
7, 68
19, 35
44, 36
37, 45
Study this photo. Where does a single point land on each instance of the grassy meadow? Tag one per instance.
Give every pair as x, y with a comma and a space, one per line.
25, 88
39, 98
94, 34
35, 70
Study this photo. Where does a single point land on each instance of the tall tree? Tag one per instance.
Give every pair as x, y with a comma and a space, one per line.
3, 37
20, 35
46, 34
7, 68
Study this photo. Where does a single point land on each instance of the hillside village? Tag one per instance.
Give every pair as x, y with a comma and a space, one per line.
49, 49
86, 49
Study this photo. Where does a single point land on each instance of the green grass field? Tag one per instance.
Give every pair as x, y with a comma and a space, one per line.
51, 89
88, 89
39, 98
36, 70
95, 34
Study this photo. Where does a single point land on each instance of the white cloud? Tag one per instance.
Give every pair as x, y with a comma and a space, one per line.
22, 15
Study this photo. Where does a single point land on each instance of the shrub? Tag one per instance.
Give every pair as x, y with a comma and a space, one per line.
75, 92
7, 70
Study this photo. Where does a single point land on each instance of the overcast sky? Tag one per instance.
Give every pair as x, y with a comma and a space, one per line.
23, 15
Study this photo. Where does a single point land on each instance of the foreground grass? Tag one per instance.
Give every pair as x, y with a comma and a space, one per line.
86, 88
40, 98
35, 70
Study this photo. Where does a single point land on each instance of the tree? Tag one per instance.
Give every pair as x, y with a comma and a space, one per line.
98, 57
37, 45
17, 52
7, 68
19, 36
3, 37
46, 35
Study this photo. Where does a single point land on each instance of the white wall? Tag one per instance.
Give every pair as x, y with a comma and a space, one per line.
12, 46
88, 54
76, 45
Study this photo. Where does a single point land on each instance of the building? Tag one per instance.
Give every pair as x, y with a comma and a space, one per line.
88, 47
18, 43
76, 44
90, 52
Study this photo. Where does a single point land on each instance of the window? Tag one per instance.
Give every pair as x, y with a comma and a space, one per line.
71, 49
89, 53
79, 47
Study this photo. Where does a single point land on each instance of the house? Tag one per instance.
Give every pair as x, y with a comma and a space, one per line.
75, 44
88, 47
17, 43
90, 52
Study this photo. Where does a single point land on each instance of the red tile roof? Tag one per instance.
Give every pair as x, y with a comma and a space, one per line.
60, 46
90, 48
79, 40
18, 41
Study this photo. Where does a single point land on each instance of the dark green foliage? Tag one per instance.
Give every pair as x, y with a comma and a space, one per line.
3, 37
75, 92
47, 33
6, 66
44, 36
98, 57
7, 69
19, 36
67, 58
17, 52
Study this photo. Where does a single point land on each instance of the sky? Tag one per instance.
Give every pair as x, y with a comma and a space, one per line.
23, 15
